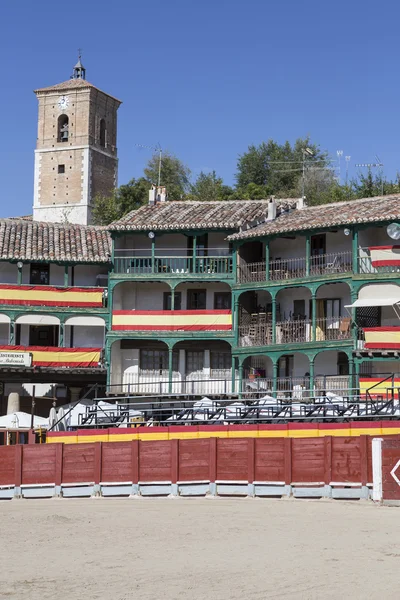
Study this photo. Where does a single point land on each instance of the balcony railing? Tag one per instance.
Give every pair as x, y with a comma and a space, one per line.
177, 266
295, 268
384, 259
295, 331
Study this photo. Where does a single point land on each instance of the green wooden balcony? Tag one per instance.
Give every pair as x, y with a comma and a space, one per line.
216, 267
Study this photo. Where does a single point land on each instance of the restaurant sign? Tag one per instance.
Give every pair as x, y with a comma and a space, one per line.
15, 359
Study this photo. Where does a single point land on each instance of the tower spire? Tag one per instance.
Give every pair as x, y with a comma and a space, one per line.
79, 71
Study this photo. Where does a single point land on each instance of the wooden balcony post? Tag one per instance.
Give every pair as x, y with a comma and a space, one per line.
267, 261
170, 356
275, 376
61, 337
153, 253
66, 273
19, 276
274, 320
235, 318
308, 254
194, 253
351, 376
311, 377
233, 373
314, 317
12, 332
240, 376
354, 249
172, 297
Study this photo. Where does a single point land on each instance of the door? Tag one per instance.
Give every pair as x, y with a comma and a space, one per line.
318, 252
43, 335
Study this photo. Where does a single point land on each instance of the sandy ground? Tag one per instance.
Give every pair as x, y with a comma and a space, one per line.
162, 549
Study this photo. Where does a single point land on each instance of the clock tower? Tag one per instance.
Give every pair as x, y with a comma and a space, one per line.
76, 149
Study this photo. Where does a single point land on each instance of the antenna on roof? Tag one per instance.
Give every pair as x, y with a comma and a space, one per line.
376, 165
155, 149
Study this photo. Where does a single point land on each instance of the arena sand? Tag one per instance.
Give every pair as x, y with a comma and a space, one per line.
165, 549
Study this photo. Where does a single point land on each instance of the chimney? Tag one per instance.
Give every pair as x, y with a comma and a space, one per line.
152, 195
271, 209
301, 203
162, 194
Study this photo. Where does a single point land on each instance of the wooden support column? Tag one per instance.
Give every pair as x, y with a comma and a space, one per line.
61, 336
12, 332
236, 320
153, 254
173, 297
240, 390
314, 317
194, 254
351, 376
66, 273
170, 356
233, 373
19, 275
267, 254
308, 254
274, 320
275, 376
311, 377
354, 249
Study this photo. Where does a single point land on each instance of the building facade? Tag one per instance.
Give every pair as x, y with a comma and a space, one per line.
220, 298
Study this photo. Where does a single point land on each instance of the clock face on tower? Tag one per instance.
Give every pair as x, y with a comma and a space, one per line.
63, 102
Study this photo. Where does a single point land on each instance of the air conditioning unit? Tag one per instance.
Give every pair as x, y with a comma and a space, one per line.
102, 280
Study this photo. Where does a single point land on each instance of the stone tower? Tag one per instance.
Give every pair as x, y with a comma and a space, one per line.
76, 149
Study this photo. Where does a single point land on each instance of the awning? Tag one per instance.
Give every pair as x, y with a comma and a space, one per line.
86, 321
385, 294
37, 320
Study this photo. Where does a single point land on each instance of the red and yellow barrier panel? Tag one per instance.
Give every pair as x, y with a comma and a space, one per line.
172, 320
377, 387
385, 256
43, 295
46, 356
180, 432
382, 338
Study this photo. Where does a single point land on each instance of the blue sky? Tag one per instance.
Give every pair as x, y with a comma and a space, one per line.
206, 79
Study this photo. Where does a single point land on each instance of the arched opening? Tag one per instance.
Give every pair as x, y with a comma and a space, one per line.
103, 133
331, 372
62, 128
333, 320
204, 368
255, 318
293, 315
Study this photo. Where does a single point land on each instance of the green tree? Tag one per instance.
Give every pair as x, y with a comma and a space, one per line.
208, 186
175, 175
276, 168
127, 197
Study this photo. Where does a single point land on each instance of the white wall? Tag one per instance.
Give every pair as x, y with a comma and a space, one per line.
8, 272
389, 317
85, 275
84, 337
285, 300
4, 334
150, 296
217, 243
374, 236
286, 248
326, 363
337, 242
171, 244
133, 244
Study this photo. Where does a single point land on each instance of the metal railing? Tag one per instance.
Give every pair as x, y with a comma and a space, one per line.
365, 264
173, 265
295, 268
295, 331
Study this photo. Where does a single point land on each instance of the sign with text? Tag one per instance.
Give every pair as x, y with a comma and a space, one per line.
15, 359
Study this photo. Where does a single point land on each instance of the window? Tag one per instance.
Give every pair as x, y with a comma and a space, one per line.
61, 168
222, 300
40, 274
220, 360
196, 299
43, 335
62, 128
318, 244
157, 360
103, 133
194, 361
177, 301
201, 245
299, 309
332, 310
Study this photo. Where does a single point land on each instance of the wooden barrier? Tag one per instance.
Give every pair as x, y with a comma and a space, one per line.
338, 467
